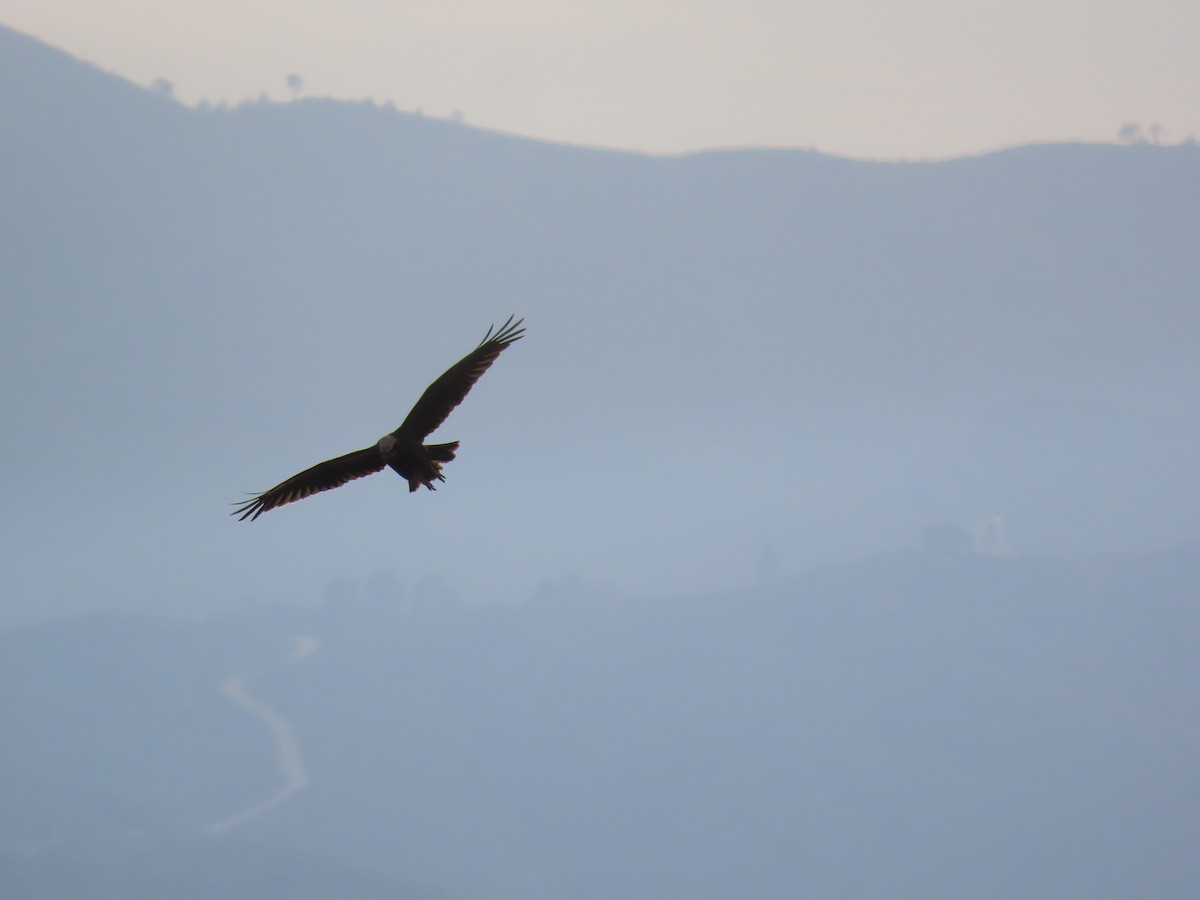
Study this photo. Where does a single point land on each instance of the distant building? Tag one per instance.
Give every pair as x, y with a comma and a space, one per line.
986, 537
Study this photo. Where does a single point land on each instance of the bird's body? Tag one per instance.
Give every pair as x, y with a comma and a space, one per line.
411, 459
404, 449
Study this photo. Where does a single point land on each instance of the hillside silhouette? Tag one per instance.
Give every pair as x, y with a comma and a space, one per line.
726, 349
925, 724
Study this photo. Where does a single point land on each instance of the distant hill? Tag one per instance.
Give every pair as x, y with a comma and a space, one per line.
201, 870
726, 351
120, 750
937, 725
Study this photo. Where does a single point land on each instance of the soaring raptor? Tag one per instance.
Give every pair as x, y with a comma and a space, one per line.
404, 449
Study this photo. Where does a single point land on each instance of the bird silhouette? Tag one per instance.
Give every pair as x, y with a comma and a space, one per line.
404, 449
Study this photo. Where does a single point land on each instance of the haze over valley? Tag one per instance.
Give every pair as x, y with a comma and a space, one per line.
832, 532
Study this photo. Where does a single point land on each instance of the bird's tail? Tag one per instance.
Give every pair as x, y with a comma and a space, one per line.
441, 452
438, 454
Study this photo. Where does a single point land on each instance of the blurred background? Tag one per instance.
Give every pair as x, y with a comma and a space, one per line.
832, 531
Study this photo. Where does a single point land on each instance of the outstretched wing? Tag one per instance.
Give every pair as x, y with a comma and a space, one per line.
321, 477
448, 391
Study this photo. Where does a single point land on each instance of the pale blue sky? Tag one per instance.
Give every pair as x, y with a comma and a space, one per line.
873, 78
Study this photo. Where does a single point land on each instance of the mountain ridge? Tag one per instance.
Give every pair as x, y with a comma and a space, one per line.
743, 346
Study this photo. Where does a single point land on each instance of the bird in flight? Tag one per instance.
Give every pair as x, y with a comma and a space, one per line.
404, 449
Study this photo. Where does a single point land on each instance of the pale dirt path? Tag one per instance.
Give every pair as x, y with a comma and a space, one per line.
291, 762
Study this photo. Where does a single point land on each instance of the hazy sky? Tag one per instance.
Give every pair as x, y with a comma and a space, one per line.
874, 78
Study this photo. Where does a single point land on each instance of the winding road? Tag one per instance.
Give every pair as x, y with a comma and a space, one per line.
291, 762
